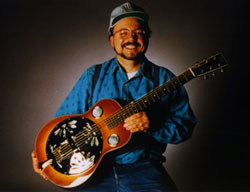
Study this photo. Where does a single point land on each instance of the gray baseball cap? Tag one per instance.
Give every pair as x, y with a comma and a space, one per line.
127, 10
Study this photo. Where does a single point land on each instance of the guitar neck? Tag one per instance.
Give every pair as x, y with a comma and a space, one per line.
149, 99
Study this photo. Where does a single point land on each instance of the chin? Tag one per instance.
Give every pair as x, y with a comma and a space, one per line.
136, 57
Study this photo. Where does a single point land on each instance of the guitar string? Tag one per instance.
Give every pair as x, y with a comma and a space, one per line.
66, 148
65, 156
138, 103
113, 121
61, 152
130, 109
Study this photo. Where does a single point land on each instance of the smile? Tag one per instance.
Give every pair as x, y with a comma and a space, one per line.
131, 45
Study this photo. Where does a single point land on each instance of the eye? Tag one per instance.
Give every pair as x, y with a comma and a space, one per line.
123, 33
139, 33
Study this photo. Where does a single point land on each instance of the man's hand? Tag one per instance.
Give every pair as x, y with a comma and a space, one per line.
137, 122
36, 166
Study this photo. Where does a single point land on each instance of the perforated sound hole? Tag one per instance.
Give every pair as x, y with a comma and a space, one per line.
74, 145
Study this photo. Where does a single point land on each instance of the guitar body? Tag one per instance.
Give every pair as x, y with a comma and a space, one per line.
69, 148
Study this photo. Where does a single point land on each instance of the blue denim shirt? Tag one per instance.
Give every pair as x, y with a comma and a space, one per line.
171, 121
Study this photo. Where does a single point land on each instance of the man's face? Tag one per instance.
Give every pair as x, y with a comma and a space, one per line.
129, 40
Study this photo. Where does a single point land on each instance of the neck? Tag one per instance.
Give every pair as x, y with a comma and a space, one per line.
129, 66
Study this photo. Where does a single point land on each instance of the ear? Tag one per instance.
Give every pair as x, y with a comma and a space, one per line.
111, 41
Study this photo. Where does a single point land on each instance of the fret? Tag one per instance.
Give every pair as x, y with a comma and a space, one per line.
135, 108
163, 94
182, 79
147, 101
112, 121
126, 112
150, 98
119, 119
175, 82
169, 87
132, 108
144, 103
140, 105
157, 94
154, 95
160, 92
188, 75
109, 123
172, 85
165, 90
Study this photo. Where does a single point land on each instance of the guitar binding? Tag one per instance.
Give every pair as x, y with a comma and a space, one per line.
74, 145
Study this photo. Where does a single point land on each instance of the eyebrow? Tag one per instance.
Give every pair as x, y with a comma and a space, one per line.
128, 29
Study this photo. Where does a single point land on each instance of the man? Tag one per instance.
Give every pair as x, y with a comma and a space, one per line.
125, 78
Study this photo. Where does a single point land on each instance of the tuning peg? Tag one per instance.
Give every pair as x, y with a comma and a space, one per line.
222, 70
213, 74
205, 77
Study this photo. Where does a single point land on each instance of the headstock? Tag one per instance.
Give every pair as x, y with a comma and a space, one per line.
209, 65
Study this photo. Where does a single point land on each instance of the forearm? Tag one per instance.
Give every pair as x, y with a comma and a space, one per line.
176, 121
174, 130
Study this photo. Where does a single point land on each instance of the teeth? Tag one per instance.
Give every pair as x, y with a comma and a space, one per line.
130, 46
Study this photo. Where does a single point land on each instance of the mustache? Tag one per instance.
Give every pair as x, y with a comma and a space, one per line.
131, 43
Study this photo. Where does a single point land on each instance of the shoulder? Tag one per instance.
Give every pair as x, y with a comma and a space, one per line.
101, 67
164, 72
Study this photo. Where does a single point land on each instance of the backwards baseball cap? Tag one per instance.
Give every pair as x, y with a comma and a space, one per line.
127, 10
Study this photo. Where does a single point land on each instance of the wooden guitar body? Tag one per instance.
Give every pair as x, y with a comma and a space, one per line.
70, 148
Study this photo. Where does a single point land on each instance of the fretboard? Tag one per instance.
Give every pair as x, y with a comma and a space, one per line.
149, 99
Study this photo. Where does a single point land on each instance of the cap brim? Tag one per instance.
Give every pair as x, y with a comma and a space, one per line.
139, 15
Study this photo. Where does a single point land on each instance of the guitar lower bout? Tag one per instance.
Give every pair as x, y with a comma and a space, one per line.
70, 148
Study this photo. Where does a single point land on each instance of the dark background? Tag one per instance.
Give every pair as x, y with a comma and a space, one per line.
47, 45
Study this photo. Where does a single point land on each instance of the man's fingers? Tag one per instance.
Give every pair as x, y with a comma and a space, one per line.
133, 117
36, 167
137, 122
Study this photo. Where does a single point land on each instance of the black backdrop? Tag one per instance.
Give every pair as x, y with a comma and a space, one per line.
46, 45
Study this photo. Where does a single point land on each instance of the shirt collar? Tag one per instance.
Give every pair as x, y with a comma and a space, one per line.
144, 69
115, 65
